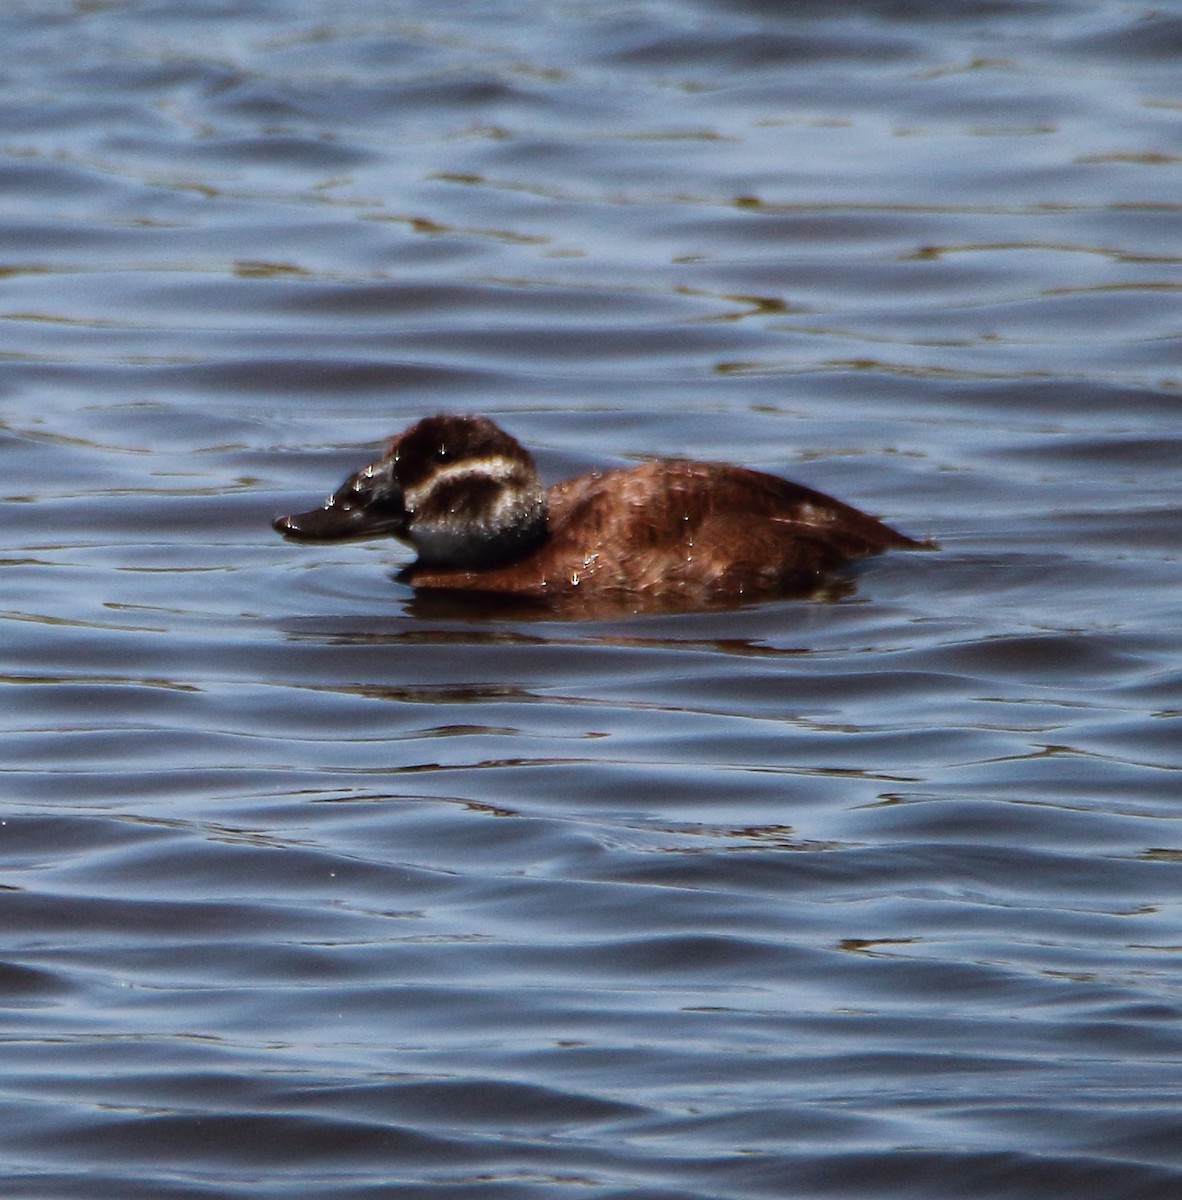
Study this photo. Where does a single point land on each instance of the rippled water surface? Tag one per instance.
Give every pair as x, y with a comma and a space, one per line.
313, 888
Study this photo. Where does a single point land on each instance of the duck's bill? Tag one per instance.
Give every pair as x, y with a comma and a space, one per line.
325, 525
367, 505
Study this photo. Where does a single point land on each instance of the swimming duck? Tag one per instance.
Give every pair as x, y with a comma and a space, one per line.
671, 532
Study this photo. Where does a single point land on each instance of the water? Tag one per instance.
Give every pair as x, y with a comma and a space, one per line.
315, 889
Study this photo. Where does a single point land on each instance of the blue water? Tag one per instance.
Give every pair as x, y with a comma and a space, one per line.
315, 888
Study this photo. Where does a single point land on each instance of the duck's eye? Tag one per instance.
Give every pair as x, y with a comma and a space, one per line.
443, 454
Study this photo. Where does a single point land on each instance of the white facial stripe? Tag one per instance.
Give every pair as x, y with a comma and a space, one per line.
491, 466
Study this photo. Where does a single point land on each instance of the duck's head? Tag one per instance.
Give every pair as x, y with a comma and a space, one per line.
458, 488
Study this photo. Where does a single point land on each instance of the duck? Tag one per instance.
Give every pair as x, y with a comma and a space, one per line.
666, 533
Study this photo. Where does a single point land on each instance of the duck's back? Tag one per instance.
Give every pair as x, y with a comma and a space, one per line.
681, 530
